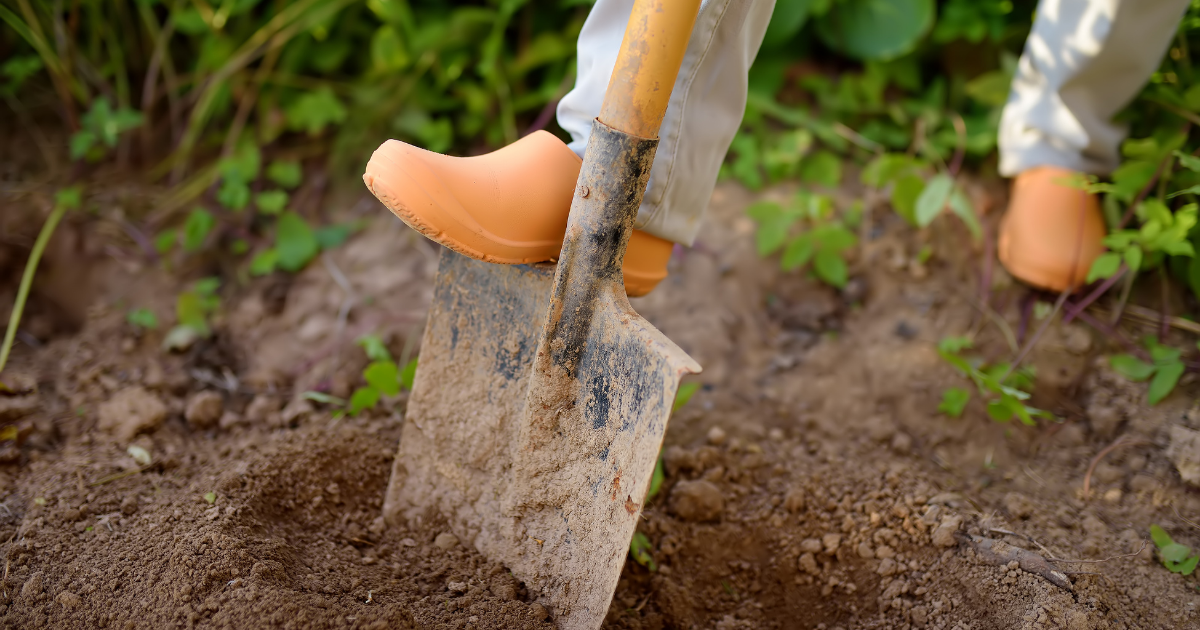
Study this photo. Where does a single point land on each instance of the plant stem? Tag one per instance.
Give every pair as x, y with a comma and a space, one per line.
1073, 311
35, 256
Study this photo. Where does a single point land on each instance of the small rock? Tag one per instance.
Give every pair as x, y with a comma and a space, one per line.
260, 409
902, 443
831, 542
1104, 418
1018, 505
698, 500
716, 436
231, 419
446, 541
129, 505
883, 552
297, 411
943, 536
808, 564
1184, 452
887, 567
408, 542
794, 501
67, 599
21, 399
880, 429
538, 612
676, 459
204, 409
504, 586
811, 545
864, 550
131, 411
456, 587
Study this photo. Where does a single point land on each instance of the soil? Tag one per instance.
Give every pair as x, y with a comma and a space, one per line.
811, 482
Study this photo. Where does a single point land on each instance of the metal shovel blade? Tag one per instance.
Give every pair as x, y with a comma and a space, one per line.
532, 432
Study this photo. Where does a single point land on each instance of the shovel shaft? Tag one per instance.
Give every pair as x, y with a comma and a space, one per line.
651, 53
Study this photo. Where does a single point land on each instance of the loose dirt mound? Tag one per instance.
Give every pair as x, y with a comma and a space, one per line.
811, 483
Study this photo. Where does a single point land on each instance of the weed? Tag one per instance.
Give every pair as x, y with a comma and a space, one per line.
193, 308
821, 240
382, 375
640, 548
1163, 371
210, 497
66, 199
1176, 557
1004, 387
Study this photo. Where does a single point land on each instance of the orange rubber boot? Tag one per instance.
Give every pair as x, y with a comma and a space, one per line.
509, 206
1052, 232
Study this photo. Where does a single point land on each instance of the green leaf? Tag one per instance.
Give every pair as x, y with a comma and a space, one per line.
1164, 381
210, 497
383, 376
295, 242
323, 398
905, 194
954, 401
786, 21
875, 29
954, 345
271, 201
142, 318
1001, 409
331, 236
1131, 367
835, 238
264, 262
1160, 537
1104, 266
933, 199
1188, 161
363, 398
315, 111
1174, 552
1187, 567
684, 394
1161, 354
961, 206
388, 53
190, 311
773, 225
233, 194
199, 223
830, 268
374, 347
81, 143
656, 478
285, 173
822, 168
886, 169
408, 374
639, 550
165, 241
69, 197
1133, 258
798, 252
990, 88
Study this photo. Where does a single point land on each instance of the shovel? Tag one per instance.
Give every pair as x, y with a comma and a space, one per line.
539, 409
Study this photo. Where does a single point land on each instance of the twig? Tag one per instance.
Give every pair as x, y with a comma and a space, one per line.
853, 136
1108, 559
1183, 518
1075, 310
1123, 301
960, 151
1037, 335
1142, 313
1124, 440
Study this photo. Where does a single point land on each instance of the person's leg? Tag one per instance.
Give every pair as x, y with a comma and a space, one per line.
1084, 61
706, 108
511, 206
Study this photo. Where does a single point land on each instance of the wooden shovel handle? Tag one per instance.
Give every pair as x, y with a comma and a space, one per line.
651, 53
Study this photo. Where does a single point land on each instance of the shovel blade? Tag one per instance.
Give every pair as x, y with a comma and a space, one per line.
545, 475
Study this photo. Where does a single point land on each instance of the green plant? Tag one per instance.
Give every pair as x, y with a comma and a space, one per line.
142, 318
102, 125
640, 549
1176, 557
822, 239
1003, 387
382, 375
65, 199
193, 308
1163, 371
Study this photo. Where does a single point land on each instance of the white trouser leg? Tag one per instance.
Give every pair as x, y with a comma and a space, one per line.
1084, 61
705, 111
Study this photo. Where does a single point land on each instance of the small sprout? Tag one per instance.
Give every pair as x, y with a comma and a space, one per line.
142, 318
210, 497
639, 550
1177, 558
9, 432
89, 528
409, 374
373, 345
140, 455
1166, 369
685, 393
954, 401
656, 479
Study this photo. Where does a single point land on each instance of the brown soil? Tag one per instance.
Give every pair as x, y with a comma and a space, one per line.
811, 482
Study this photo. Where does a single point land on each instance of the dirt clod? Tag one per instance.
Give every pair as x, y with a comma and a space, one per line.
204, 409
1184, 453
698, 501
716, 436
446, 541
944, 535
131, 411
67, 599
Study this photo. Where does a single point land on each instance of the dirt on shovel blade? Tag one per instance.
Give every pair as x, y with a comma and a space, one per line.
811, 482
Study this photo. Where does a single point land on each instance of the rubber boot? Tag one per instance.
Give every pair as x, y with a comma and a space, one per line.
1052, 232
509, 206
